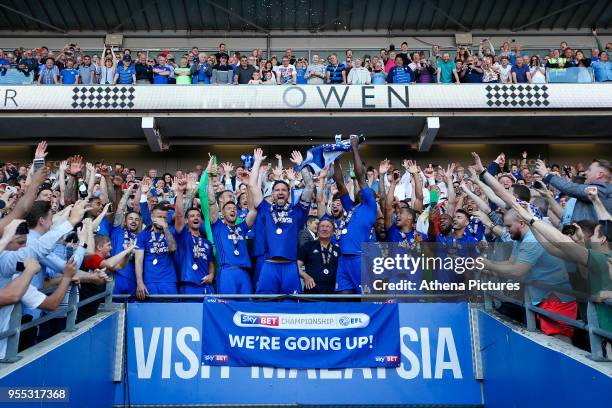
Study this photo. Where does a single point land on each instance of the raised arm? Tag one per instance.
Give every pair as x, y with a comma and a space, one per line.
359, 168
255, 189
122, 207
15, 289
91, 178
252, 214
549, 237
179, 185
492, 182
339, 178
388, 208
448, 179
62, 181
383, 168
482, 205
554, 208
117, 261
415, 173
96, 222
321, 201
25, 203
600, 210
297, 159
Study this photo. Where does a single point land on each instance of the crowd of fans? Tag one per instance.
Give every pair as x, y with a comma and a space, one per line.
508, 64
284, 227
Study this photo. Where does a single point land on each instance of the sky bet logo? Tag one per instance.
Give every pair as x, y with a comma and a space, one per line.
254, 320
387, 359
220, 358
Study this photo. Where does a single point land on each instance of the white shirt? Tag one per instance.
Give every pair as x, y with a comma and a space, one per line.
537, 77
359, 76
31, 299
505, 74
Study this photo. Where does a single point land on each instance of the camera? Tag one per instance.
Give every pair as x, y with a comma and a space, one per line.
568, 230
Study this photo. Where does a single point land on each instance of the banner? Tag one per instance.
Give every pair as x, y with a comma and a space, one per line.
164, 344
300, 335
304, 97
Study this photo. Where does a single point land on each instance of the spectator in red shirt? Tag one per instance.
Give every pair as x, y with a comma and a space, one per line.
100, 262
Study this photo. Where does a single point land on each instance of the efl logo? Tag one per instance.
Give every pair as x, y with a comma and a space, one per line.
260, 320
350, 321
221, 358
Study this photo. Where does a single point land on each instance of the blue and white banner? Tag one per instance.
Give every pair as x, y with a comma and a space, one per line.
300, 335
164, 344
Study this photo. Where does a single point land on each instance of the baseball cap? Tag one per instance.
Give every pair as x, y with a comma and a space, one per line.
127, 58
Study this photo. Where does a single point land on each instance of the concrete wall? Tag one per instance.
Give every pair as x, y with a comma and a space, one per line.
520, 372
141, 158
83, 364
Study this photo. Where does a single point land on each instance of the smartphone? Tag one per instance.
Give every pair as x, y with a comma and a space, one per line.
20, 267
538, 185
38, 164
568, 230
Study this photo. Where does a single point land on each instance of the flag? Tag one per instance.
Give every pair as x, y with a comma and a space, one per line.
203, 194
320, 156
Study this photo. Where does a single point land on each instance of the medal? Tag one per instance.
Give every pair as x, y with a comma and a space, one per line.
277, 216
154, 261
341, 229
236, 252
195, 267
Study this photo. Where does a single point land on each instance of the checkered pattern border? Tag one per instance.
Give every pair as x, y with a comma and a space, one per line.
517, 96
103, 97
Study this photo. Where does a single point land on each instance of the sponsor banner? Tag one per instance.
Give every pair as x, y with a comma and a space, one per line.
300, 335
305, 97
164, 366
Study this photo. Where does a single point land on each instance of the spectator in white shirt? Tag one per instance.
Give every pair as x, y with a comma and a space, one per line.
359, 75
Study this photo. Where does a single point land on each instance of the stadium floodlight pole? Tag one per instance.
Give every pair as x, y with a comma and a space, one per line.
554, 13
29, 17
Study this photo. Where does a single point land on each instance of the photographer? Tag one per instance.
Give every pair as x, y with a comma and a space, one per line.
423, 72
470, 72
598, 175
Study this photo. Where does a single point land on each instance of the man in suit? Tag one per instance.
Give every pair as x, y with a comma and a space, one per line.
309, 233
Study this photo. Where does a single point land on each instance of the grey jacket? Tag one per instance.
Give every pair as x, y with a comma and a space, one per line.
221, 77
584, 208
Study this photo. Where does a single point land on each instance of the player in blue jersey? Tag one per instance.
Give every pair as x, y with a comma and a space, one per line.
194, 257
229, 237
455, 240
400, 225
98, 213
155, 273
356, 227
126, 225
281, 224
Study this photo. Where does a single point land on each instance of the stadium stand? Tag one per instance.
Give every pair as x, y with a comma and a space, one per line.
287, 212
